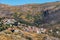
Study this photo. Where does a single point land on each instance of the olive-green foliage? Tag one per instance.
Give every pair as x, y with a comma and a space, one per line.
4, 26
29, 16
18, 19
0, 19
38, 19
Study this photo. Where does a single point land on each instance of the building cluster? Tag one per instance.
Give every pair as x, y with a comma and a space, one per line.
34, 29
13, 23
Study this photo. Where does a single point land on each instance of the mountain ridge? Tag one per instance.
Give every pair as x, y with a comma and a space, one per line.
52, 9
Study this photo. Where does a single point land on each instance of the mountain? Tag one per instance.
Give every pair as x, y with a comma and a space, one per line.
45, 18
50, 12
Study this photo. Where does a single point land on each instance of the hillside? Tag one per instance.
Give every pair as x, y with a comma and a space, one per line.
51, 16
30, 21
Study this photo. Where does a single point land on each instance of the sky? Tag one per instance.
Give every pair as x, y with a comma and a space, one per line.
22, 2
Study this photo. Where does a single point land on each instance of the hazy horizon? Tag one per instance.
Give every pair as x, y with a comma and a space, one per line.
22, 2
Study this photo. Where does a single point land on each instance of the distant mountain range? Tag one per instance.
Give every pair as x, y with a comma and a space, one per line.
51, 10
